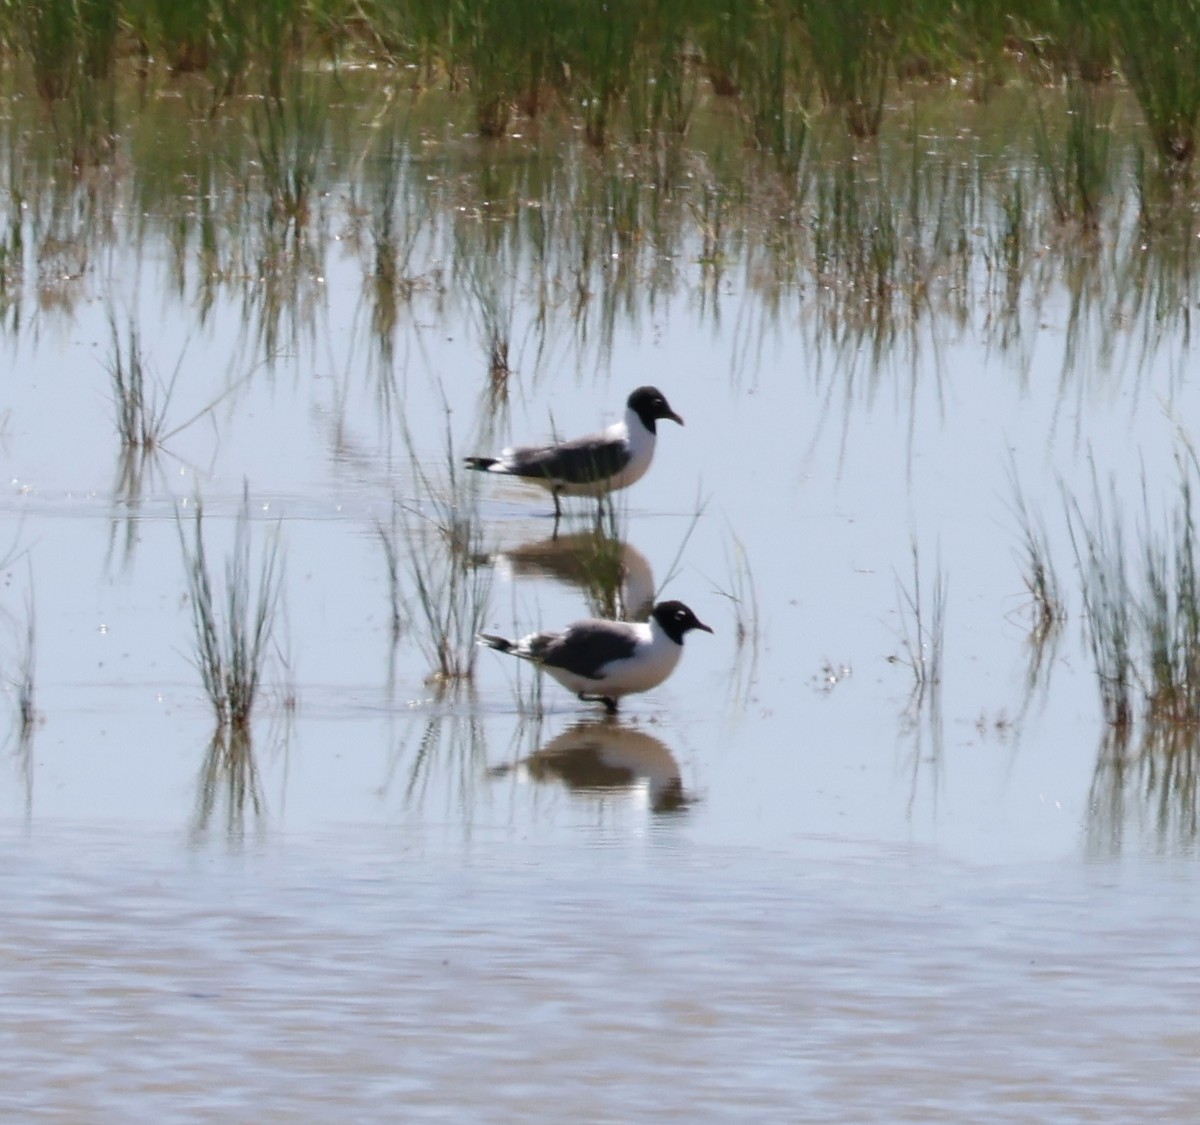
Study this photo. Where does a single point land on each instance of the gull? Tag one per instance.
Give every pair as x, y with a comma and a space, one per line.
594, 465
600, 660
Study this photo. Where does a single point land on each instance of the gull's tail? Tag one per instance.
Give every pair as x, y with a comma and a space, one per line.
500, 644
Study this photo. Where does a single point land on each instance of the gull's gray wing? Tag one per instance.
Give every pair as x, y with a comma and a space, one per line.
580, 461
587, 646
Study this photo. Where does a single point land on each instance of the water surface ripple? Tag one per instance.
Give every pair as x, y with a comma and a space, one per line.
374, 978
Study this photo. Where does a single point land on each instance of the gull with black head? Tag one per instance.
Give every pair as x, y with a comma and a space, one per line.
594, 465
602, 661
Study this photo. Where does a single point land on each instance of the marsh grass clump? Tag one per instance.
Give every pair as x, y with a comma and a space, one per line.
1171, 618
391, 540
494, 298
601, 47
886, 235
440, 539
1005, 255
742, 594
223, 40
70, 46
141, 424
1143, 608
395, 223
19, 676
51, 36
21, 679
923, 624
1158, 47
234, 628
1047, 607
851, 48
289, 131
663, 94
21, 687
1110, 616
754, 55
180, 31
922, 631
140, 414
1078, 164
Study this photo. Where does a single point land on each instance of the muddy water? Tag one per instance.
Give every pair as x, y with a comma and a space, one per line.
781, 884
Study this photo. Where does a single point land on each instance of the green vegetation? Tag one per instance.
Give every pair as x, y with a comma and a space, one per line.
234, 629
19, 683
1143, 608
1079, 172
140, 415
642, 157
439, 536
1109, 609
633, 68
21, 680
534, 170
1047, 607
742, 595
289, 138
923, 626
1158, 48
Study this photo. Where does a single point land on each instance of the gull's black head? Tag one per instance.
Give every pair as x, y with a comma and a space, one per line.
676, 620
649, 404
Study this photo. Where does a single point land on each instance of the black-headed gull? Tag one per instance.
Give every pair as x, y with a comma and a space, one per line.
594, 465
601, 661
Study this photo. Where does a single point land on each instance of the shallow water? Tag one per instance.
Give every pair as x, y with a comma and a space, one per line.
780, 884
605, 979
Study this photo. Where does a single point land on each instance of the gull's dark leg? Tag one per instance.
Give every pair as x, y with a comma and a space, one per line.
610, 704
557, 513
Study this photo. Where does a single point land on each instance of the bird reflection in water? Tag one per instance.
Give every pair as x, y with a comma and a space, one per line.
604, 757
615, 577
